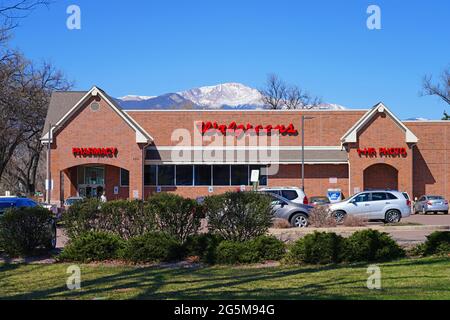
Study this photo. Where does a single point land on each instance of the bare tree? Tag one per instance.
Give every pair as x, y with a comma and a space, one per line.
274, 93
20, 154
440, 89
278, 95
13, 10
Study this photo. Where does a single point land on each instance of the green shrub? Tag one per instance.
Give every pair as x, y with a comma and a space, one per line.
268, 248
436, 242
443, 249
416, 251
370, 246
26, 231
239, 216
124, 218
317, 248
81, 217
175, 215
260, 249
235, 252
203, 246
152, 247
92, 246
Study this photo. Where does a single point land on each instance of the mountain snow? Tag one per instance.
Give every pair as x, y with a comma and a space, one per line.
227, 94
222, 96
135, 98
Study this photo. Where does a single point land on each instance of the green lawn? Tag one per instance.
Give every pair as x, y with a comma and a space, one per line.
405, 279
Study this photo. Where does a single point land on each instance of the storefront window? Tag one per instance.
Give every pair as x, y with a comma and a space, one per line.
124, 178
221, 175
202, 175
239, 176
166, 175
185, 176
94, 175
150, 175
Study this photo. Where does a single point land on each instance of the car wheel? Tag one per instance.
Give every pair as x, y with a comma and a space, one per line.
339, 216
446, 212
393, 216
299, 220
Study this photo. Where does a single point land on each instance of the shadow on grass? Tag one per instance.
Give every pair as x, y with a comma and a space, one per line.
226, 283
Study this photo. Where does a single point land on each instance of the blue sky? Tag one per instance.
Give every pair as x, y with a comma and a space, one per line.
150, 47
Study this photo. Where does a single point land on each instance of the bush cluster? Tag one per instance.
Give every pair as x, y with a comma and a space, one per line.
438, 243
93, 246
260, 249
26, 231
362, 246
152, 247
124, 218
371, 246
239, 216
163, 212
317, 248
175, 215
203, 246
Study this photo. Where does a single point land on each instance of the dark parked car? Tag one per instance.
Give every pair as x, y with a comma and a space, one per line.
16, 202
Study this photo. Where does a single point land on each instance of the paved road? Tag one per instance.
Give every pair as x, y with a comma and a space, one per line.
429, 219
418, 236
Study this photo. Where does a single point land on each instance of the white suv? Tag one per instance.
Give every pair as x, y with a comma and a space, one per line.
292, 194
386, 205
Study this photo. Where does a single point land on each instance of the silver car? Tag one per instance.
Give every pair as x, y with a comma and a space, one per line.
388, 206
433, 204
296, 213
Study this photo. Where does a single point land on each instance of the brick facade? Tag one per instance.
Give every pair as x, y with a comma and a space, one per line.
425, 168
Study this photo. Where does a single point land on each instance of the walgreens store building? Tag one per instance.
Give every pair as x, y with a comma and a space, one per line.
97, 147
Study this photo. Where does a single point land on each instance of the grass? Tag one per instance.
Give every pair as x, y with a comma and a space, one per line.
427, 278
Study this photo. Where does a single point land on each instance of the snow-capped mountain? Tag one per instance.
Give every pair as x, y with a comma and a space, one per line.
223, 96
136, 98
227, 94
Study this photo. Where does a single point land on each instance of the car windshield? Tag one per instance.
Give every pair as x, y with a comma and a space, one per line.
435, 198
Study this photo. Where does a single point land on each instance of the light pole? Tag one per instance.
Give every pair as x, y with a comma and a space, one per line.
48, 183
304, 118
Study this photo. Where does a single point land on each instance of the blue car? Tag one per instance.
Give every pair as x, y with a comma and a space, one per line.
17, 202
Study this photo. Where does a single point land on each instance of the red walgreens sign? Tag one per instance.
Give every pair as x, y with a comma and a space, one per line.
95, 152
233, 127
383, 152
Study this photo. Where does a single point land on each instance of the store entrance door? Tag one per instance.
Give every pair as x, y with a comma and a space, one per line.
90, 191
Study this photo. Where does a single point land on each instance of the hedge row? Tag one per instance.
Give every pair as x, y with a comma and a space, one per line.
162, 247
316, 248
362, 246
234, 216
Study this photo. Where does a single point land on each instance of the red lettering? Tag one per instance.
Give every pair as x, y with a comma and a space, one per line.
95, 152
238, 129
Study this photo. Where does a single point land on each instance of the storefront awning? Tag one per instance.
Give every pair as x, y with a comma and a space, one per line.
293, 155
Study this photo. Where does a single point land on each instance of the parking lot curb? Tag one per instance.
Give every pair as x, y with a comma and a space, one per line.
355, 229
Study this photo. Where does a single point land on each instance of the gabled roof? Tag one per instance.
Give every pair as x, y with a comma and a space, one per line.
352, 135
65, 104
